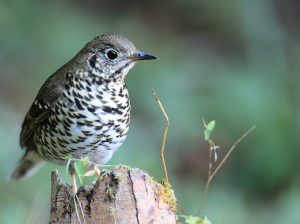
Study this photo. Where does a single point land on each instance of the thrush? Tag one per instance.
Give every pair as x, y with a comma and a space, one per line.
83, 109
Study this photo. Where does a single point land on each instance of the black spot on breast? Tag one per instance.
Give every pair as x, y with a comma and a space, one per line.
120, 106
53, 142
69, 121
81, 86
61, 133
61, 145
111, 110
62, 111
79, 96
107, 109
59, 104
71, 101
87, 98
67, 125
74, 142
60, 140
74, 93
87, 133
82, 116
71, 83
77, 116
91, 109
99, 97
84, 103
92, 61
80, 123
77, 86
57, 112
54, 152
71, 115
88, 89
78, 104
98, 128
99, 82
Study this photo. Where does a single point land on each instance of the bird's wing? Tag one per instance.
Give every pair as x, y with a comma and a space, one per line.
41, 107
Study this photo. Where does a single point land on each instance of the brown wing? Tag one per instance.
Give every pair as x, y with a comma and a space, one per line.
41, 107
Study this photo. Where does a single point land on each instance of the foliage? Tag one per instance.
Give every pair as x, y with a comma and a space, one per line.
195, 220
79, 165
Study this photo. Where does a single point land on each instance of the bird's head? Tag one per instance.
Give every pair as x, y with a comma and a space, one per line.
111, 56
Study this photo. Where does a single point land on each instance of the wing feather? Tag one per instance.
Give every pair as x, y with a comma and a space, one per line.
41, 107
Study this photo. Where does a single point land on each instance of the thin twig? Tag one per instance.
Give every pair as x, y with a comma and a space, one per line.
165, 135
181, 208
231, 151
168, 123
163, 145
72, 193
206, 188
79, 207
76, 210
219, 166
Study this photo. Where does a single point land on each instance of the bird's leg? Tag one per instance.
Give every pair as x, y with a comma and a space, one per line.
74, 182
72, 173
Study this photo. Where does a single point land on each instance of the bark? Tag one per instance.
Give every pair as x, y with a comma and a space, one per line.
121, 196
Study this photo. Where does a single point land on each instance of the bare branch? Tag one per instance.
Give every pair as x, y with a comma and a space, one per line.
222, 162
163, 145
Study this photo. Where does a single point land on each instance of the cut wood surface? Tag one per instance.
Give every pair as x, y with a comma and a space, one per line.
122, 196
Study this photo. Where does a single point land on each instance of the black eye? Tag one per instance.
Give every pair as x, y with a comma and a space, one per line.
111, 54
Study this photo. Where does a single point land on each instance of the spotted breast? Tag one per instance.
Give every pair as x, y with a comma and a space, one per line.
83, 109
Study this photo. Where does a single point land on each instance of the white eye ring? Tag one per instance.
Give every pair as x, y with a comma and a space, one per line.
111, 54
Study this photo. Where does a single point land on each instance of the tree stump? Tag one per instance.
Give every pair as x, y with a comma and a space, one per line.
120, 196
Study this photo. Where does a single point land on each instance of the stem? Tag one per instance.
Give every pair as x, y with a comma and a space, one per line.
219, 166
163, 145
165, 135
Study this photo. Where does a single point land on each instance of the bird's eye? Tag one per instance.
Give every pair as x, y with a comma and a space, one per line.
111, 54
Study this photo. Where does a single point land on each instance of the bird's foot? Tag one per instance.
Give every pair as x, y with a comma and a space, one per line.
74, 182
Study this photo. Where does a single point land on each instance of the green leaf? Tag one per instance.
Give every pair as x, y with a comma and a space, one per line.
206, 134
206, 221
67, 167
86, 161
67, 157
211, 125
79, 169
191, 219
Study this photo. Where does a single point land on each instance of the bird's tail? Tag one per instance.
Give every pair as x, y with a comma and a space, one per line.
28, 165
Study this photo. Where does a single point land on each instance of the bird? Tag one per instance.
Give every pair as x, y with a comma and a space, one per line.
83, 109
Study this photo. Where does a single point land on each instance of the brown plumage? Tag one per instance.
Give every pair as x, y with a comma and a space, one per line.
83, 109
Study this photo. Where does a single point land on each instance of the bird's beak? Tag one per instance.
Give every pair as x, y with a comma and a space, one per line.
143, 56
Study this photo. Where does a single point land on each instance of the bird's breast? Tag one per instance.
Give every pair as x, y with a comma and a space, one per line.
90, 118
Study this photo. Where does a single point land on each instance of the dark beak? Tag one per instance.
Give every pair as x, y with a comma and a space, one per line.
144, 56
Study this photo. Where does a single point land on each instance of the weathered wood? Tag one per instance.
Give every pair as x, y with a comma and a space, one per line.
121, 196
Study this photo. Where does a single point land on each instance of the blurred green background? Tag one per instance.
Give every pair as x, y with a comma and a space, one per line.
234, 61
